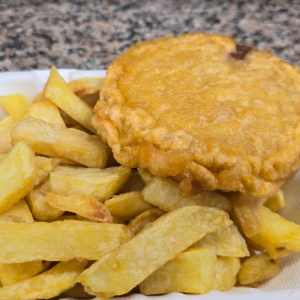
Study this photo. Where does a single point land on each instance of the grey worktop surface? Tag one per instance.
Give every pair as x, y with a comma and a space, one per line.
87, 34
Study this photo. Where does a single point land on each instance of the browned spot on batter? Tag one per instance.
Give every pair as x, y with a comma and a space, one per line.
272, 260
240, 51
280, 248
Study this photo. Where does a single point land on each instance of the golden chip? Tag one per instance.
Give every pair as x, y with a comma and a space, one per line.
258, 268
128, 205
166, 194
58, 241
121, 270
86, 206
192, 271
59, 142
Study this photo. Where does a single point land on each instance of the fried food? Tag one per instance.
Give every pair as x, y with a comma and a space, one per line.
128, 205
247, 211
19, 212
258, 268
85, 86
214, 114
144, 219
276, 202
57, 141
40, 207
54, 180
226, 271
191, 271
16, 105
277, 235
167, 195
98, 183
226, 240
13, 273
57, 91
46, 111
59, 241
121, 270
5, 140
17, 175
47, 285
85, 206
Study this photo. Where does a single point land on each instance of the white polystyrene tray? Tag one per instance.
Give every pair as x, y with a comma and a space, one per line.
284, 286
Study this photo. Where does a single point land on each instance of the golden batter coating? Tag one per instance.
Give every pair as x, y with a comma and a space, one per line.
213, 114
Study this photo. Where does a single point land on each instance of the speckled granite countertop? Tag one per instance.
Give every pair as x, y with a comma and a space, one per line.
36, 34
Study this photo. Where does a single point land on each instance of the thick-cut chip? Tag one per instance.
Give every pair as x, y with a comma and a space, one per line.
86, 89
17, 175
41, 176
276, 202
146, 175
226, 271
166, 194
121, 270
247, 210
278, 236
56, 141
227, 242
258, 268
87, 206
19, 212
13, 273
46, 285
5, 127
191, 271
16, 105
128, 205
45, 166
85, 86
57, 90
134, 183
40, 207
252, 247
98, 183
58, 241
142, 220
46, 111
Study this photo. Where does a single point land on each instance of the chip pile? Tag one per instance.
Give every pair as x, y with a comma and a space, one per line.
73, 222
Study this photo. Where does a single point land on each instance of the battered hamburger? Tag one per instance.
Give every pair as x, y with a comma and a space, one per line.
211, 113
